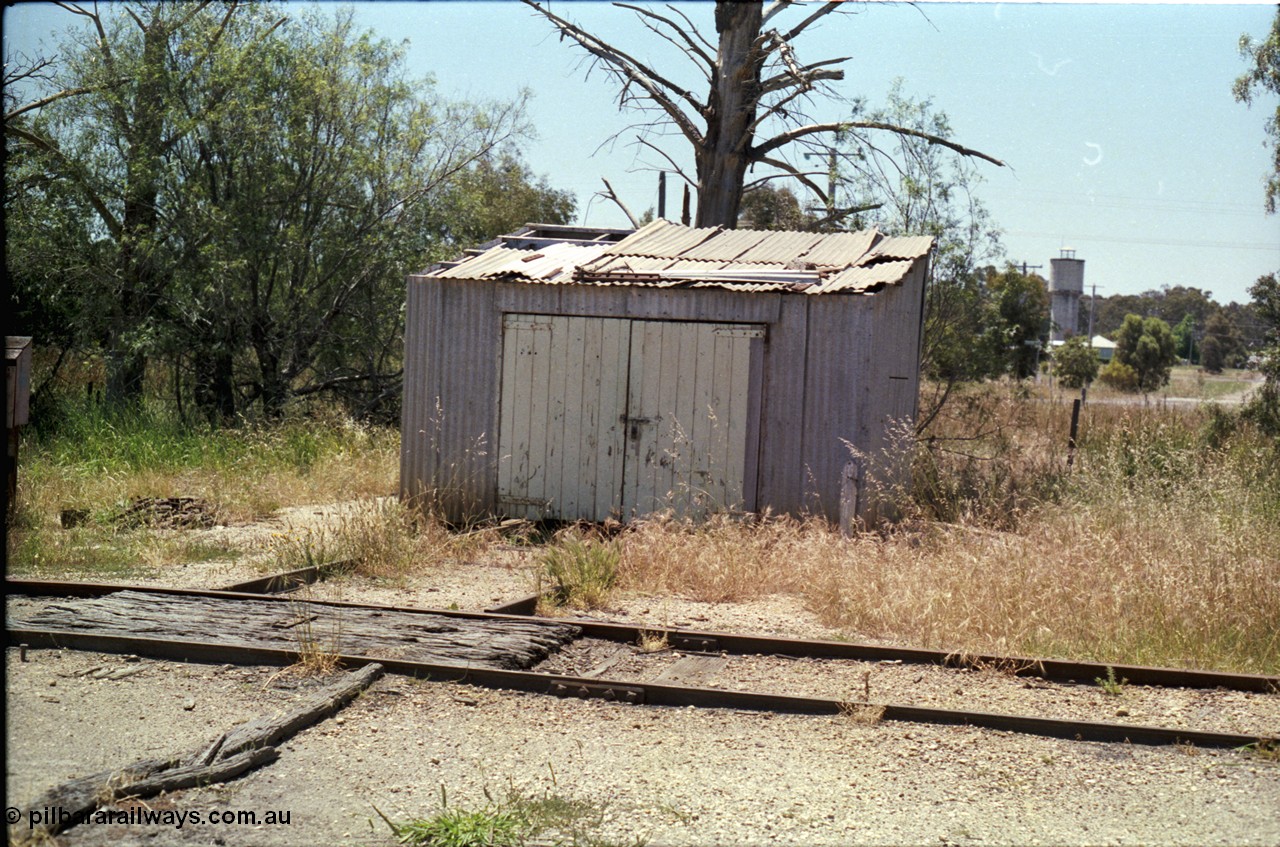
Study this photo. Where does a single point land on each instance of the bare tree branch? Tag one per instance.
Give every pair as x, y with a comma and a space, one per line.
693, 45
775, 8
839, 214
810, 74
675, 168
610, 194
756, 183
802, 176
53, 98
791, 135
634, 71
692, 28
826, 9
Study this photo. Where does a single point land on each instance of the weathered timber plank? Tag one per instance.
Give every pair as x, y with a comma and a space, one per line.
304, 626
692, 670
235, 752
272, 729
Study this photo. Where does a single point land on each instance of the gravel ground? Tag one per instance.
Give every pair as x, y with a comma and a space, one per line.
667, 776
653, 775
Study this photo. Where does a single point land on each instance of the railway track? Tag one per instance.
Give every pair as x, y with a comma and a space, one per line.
657, 692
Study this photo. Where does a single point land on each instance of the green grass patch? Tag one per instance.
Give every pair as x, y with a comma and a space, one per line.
582, 569
516, 820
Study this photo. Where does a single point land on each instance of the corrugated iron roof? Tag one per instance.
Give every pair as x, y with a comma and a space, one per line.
728, 245
835, 248
783, 247
863, 278
662, 238
554, 262
903, 247
665, 255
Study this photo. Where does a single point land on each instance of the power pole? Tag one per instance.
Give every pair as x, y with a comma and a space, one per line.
1093, 299
831, 180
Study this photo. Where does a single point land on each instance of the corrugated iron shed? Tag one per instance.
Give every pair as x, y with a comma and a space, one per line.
582, 374
665, 255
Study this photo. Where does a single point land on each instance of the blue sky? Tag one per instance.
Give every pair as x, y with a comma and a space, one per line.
1117, 121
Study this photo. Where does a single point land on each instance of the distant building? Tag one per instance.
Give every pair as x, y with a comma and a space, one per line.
1104, 347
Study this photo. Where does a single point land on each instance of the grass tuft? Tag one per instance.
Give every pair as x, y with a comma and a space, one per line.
582, 569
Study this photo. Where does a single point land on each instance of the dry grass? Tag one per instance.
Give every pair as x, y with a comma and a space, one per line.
863, 714
652, 641
1158, 549
379, 538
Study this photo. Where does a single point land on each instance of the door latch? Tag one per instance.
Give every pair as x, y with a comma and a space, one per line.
633, 425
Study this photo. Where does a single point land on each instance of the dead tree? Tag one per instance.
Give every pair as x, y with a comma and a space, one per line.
754, 80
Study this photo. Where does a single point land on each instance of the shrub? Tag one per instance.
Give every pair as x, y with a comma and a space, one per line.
1076, 363
1119, 376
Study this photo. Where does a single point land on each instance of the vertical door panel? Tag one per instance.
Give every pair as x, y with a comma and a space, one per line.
522, 442
560, 434
687, 417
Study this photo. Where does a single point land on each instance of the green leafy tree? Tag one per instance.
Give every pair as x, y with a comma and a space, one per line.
1118, 375
1264, 407
1184, 339
310, 198
122, 102
771, 207
1264, 75
241, 197
914, 187
1222, 346
1147, 346
1020, 315
1075, 362
1172, 304
497, 194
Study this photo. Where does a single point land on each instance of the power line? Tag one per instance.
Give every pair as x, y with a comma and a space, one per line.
1225, 245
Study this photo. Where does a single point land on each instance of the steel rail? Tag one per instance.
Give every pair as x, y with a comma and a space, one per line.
636, 693
282, 583
733, 643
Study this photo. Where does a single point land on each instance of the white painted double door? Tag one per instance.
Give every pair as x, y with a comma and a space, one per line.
610, 416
